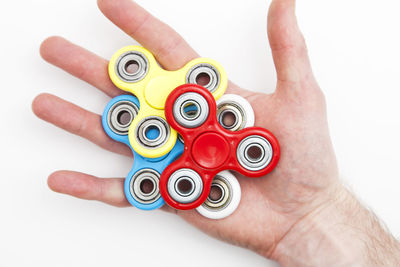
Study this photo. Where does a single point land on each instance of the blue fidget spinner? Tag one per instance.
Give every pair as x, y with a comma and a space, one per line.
142, 183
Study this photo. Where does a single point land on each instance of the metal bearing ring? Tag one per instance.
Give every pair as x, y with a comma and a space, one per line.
185, 185
231, 109
121, 115
254, 153
144, 186
190, 110
204, 70
234, 112
132, 59
223, 187
181, 138
156, 124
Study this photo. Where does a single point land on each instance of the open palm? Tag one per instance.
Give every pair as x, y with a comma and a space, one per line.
304, 178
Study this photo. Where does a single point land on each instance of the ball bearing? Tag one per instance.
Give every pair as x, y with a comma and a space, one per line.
132, 66
231, 117
121, 115
204, 71
220, 194
144, 186
185, 186
234, 112
254, 153
190, 110
152, 132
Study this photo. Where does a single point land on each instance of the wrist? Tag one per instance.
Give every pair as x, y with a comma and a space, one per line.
339, 232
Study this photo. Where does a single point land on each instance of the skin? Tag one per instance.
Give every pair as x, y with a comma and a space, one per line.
275, 210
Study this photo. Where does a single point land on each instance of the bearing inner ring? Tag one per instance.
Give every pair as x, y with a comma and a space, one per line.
258, 162
189, 186
226, 194
248, 154
142, 176
192, 179
221, 189
190, 110
186, 101
231, 108
132, 58
147, 127
117, 123
204, 69
152, 122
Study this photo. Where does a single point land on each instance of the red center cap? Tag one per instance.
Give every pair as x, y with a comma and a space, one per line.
210, 150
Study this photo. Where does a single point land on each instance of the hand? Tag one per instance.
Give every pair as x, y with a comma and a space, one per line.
303, 186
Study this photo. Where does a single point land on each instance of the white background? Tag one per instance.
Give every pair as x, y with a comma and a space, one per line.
354, 48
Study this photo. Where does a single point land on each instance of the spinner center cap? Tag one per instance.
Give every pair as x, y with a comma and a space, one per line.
157, 91
210, 150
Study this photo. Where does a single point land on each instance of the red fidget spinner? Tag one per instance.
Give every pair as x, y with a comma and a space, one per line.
209, 148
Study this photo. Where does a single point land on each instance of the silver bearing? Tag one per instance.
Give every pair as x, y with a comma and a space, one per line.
130, 59
204, 70
254, 153
231, 109
190, 110
185, 186
144, 186
152, 123
121, 115
224, 188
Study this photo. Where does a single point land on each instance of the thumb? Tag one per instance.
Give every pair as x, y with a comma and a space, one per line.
287, 43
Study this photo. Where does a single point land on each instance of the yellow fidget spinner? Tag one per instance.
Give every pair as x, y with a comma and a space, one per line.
134, 69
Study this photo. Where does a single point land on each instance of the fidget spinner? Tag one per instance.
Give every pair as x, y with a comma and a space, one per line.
135, 70
142, 183
209, 148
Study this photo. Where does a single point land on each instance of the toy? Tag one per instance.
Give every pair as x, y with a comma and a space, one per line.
209, 148
135, 70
